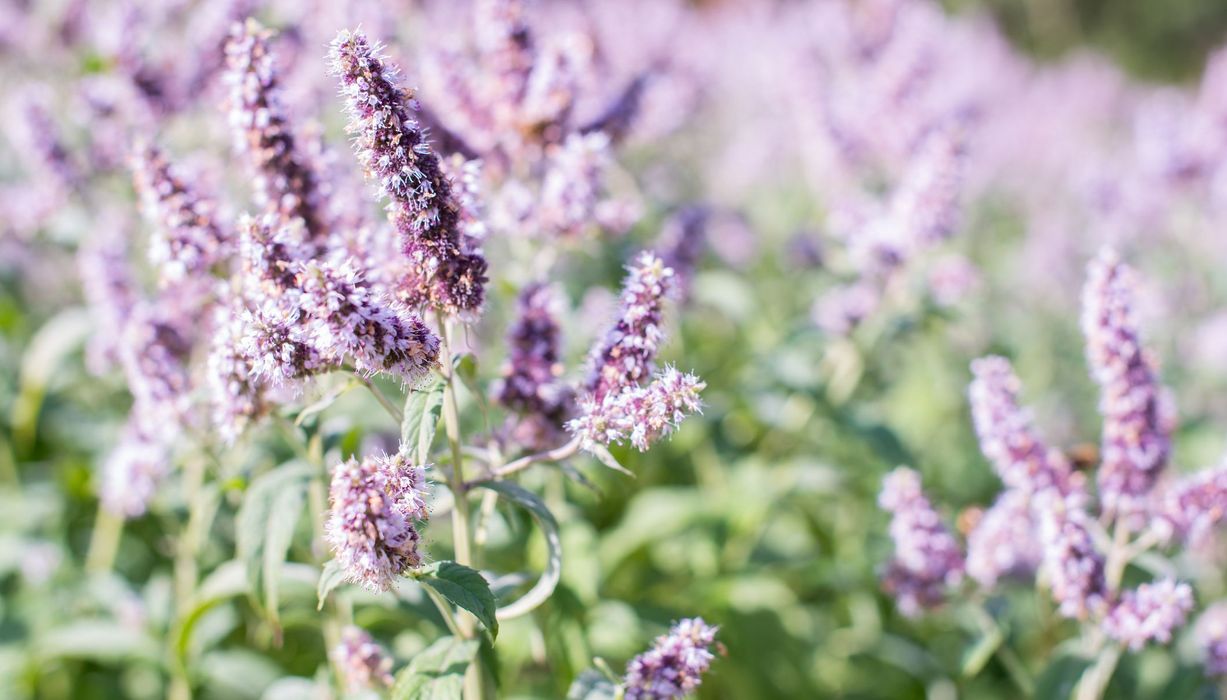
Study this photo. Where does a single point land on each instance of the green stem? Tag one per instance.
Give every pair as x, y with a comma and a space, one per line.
104, 541
1095, 680
449, 617
393, 410
474, 687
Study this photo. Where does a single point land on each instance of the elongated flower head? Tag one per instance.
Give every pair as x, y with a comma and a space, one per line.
374, 505
1137, 419
187, 240
927, 558
1149, 613
1007, 436
531, 383
674, 666
1210, 634
995, 549
286, 181
393, 149
682, 241
236, 395
154, 355
110, 291
362, 661
626, 354
505, 53
571, 189
1074, 567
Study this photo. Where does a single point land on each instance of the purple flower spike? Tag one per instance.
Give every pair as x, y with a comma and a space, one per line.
1137, 418
1075, 569
286, 181
674, 666
641, 414
1193, 506
1149, 614
1007, 436
187, 240
531, 382
1210, 634
363, 662
927, 558
393, 149
132, 472
995, 550
626, 355
374, 505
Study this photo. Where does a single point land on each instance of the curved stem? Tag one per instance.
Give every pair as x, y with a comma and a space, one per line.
393, 410
555, 455
1095, 680
449, 617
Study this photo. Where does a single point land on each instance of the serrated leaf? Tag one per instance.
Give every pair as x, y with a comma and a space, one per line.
265, 526
544, 588
464, 587
437, 672
422, 409
604, 456
592, 685
331, 577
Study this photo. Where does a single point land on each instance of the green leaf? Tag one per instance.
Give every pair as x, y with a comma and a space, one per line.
422, 409
464, 587
227, 581
98, 640
437, 672
592, 685
979, 653
54, 341
541, 591
606, 457
331, 577
270, 510
1060, 677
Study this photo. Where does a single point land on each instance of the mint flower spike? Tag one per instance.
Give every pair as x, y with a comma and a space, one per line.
393, 149
187, 240
927, 559
371, 527
362, 661
1137, 414
286, 181
674, 666
1149, 613
1007, 435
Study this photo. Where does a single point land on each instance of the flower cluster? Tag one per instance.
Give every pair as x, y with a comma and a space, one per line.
1194, 505
995, 550
927, 557
617, 404
187, 240
1137, 419
285, 181
1073, 565
1210, 632
394, 151
674, 666
531, 383
364, 663
1150, 613
375, 503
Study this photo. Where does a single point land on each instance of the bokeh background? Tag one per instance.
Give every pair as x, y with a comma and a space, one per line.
759, 515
